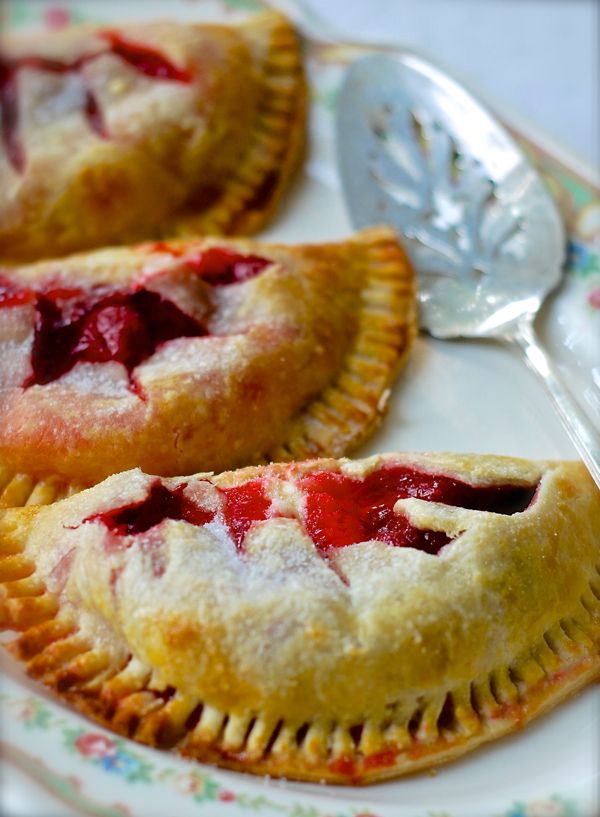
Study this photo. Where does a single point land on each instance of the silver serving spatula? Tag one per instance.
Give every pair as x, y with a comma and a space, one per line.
418, 152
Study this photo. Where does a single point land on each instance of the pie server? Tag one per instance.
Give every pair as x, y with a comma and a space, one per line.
420, 153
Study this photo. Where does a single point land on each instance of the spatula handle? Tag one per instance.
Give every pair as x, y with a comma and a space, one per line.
582, 433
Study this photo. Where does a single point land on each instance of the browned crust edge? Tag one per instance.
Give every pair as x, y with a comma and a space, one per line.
356, 401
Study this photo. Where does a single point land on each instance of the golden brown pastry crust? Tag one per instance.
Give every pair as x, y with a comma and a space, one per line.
298, 362
155, 156
367, 663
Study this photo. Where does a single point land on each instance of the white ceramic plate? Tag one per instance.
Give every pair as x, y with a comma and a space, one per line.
452, 396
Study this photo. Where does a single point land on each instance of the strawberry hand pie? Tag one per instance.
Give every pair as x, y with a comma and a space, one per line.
197, 355
328, 620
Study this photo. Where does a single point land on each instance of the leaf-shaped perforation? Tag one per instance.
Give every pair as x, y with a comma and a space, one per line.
443, 198
397, 164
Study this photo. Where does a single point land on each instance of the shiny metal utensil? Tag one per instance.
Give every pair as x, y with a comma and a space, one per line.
418, 152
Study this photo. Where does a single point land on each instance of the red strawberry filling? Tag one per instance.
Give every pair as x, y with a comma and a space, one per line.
145, 60
241, 507
339, 510
126, 327
160, 504
102, 324
342, 510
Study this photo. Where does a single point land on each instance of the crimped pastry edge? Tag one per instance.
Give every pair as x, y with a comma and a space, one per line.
277, 147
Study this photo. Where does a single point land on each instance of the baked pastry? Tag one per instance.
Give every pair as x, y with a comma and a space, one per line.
198, 355
328, 620
118, 135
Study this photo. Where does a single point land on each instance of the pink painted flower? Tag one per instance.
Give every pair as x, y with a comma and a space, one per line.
226, 796
594, 298
95, 745
545, 808
57, 17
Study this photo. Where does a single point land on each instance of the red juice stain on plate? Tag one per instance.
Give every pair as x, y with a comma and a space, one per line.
144, 59
343, 510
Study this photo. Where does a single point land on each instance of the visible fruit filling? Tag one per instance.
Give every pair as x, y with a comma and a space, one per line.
127, 327
341, 510
218, 266
145, 60
72, 325
160, 504
241, 507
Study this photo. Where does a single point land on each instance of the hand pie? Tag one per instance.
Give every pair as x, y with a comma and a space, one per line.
116, 135
329, 620
198, 355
